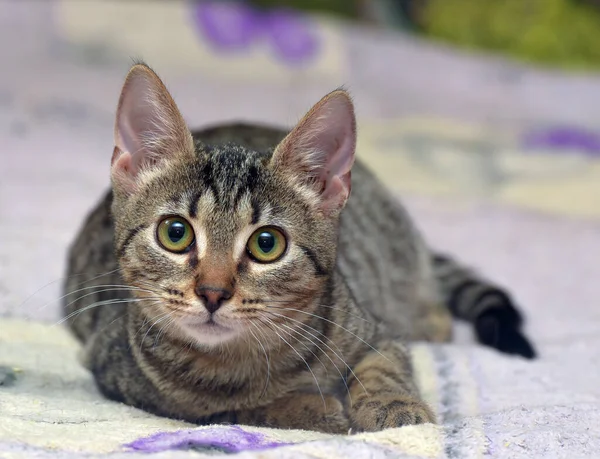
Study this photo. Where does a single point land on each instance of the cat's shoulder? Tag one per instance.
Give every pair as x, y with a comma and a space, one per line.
101, 214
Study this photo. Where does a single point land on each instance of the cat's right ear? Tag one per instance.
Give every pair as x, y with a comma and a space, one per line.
319, 152
149, 129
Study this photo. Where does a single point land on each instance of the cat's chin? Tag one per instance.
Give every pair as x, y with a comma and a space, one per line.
208, 333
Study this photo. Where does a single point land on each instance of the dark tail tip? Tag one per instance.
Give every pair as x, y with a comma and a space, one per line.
498, 328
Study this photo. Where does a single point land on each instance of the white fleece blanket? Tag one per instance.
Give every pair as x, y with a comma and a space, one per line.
528, 217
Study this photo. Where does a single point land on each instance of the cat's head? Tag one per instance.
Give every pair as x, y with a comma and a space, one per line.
222, 241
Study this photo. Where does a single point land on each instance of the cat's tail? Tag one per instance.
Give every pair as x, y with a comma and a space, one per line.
489, 308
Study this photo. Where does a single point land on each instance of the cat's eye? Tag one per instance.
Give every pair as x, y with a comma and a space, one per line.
175, 234
266, 245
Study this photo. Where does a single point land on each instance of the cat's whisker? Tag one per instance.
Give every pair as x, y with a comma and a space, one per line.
334, 323
188, 347
302, 324
105, 288
323, 306
299, 332
87, 308
65, 278
101, 303
147, 320
116, 288
120, 286
157, 335
159, 318
122, 317
112, 322
163, 329
299, 322
330, 348
163, 317
266, 358
270, 339
292, 330
299, 355
143, 282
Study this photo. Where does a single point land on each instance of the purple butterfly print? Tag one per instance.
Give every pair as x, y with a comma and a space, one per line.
231, 26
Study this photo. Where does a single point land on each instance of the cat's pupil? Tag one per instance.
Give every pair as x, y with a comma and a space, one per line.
176, 231
266, 242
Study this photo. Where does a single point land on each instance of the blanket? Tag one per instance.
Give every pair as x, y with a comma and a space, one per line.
507, 181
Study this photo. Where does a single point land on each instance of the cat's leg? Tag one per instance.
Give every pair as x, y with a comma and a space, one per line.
382, 391
299, 411
430, 319
433, 323
120, 378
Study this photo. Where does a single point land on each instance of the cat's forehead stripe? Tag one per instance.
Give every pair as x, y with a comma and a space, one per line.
255, 211
193, 205
228, 172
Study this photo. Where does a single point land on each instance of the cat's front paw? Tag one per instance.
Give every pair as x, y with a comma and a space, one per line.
324, 415
388, 410
301, 411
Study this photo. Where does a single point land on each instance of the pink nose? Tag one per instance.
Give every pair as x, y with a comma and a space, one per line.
212, 297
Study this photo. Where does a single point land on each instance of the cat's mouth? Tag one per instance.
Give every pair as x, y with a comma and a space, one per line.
209, 324
208, 331
212, 325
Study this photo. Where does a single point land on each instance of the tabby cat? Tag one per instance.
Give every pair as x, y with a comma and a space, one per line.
227, 277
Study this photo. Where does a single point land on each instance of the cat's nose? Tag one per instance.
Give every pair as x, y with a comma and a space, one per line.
212, 297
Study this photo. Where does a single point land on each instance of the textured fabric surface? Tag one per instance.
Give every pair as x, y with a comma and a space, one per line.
487, 404
526, 213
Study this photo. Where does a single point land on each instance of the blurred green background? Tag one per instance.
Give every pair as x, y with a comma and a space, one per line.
555, 33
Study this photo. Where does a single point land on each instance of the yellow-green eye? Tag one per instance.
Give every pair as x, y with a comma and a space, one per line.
266, 245
175, 234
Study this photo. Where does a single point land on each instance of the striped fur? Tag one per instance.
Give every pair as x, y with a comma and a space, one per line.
490, 308
312, 341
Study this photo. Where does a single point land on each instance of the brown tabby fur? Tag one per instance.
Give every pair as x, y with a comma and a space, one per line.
318, 341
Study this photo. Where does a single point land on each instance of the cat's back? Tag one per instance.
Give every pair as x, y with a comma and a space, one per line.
253, 136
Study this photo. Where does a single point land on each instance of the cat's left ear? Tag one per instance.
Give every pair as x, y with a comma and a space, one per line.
149, 129
319, 151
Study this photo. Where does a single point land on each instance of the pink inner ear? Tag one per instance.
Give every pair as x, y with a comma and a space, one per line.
148, 127
129, 139
330, 130
122, 172
339, 146
337, 191
140, 119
